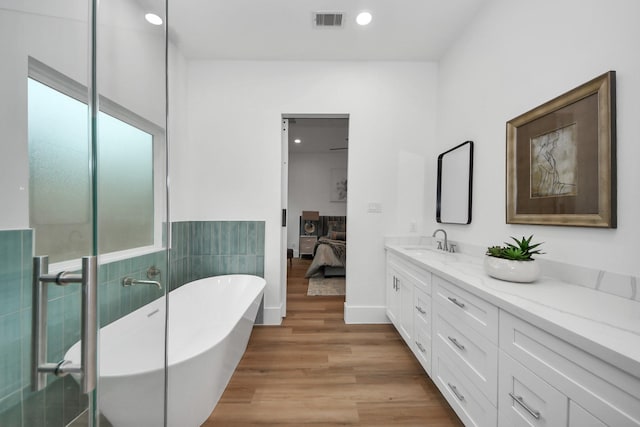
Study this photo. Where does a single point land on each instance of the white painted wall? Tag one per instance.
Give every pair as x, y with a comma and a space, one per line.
310, 189
131, 58
229, 166
178, 131
514, 56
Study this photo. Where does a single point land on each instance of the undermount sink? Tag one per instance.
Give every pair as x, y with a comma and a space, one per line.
429, 252
459, 261
422, 250
417, 249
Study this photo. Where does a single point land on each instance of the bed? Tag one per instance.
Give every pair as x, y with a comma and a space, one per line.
330, 251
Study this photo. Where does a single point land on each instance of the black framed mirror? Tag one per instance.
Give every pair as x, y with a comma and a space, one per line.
455, 184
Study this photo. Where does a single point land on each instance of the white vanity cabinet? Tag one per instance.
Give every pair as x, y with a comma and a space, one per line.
465, 352
409, 306
500, 362
393, 292
399, 299
545, 381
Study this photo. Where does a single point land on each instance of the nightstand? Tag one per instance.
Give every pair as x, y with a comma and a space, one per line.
307, 244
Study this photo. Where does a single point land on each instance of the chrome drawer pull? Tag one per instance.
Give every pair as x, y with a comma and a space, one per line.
456, 343
535, 414
456, 392
456, 302
420, 309
422, 349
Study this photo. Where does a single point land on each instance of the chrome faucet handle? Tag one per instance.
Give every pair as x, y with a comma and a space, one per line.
439, 245
153, 272
452, 247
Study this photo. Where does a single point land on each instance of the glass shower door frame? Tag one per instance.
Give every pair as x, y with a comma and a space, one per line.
50, 408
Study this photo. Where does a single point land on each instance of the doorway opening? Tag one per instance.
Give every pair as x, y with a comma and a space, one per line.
315, 197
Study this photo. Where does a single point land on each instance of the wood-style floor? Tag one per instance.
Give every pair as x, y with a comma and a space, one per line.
315, 370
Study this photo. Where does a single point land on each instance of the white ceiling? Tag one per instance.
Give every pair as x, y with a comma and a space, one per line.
319, 135
283, 29
401, 30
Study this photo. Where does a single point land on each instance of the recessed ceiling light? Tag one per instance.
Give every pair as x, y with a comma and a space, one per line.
152, 18
297, 140
363, 18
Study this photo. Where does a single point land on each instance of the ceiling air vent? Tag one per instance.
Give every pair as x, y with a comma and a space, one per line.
327, 19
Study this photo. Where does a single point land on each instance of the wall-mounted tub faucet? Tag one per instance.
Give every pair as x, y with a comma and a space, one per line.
128, 281
446, 244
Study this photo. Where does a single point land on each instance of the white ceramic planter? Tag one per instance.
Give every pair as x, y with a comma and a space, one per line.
512, 271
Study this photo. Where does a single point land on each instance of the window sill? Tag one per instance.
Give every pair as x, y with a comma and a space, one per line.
76, 264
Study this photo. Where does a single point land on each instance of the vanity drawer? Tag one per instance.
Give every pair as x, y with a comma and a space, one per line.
422, 303
474, 355
470, 404
580, 417
610, 394
422, 340
481, 315
527, 400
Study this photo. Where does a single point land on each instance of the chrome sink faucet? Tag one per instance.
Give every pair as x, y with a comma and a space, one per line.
446, 244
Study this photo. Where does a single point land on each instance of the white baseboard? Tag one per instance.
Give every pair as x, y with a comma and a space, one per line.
272, 315
365, 314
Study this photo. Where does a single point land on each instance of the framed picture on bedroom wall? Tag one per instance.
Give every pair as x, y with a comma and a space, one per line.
561, 159
338, 185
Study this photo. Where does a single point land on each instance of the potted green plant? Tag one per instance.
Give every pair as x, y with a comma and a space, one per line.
514, 262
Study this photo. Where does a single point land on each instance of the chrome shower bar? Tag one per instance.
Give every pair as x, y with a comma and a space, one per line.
89, 324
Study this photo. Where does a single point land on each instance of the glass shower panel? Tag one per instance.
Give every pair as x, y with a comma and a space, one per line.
55, 33
132, 211
52, 201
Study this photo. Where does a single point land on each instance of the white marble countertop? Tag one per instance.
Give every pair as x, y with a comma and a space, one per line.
604, 325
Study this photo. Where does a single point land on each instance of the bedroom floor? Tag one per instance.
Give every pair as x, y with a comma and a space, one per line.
314, 369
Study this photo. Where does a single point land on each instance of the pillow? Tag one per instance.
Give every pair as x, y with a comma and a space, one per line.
336, 226
338, 235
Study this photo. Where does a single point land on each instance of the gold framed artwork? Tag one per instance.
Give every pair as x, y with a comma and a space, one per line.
561, 159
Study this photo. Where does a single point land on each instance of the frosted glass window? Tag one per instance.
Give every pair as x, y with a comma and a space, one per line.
60, 191
125, 185
59, 187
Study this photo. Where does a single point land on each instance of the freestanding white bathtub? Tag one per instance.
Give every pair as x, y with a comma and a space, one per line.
209, 324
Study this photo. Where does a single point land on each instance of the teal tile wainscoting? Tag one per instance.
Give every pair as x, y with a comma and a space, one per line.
15, 316
212, 248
